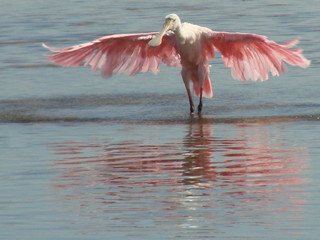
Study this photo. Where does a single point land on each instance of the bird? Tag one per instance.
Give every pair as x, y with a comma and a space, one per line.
249, 56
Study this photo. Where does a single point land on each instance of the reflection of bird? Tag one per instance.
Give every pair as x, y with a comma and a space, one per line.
249, 56
199, 147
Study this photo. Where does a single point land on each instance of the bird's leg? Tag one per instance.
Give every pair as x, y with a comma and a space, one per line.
200, 102
186, 80
190, 101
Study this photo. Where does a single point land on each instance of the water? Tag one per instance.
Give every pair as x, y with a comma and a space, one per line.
87, 158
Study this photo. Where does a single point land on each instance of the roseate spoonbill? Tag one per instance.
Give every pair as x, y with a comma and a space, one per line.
250, 56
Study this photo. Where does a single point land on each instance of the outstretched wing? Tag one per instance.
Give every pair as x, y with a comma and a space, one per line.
252, 56
122, 53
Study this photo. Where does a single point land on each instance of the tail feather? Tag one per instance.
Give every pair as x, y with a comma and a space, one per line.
206, 91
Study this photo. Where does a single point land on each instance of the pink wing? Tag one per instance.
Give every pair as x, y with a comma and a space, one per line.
123, 53
252, 56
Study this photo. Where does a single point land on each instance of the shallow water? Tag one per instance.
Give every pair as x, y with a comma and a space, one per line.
160, 181
83, 157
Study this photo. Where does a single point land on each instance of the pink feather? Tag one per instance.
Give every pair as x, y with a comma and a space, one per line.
123, 53
249, 56
253, 57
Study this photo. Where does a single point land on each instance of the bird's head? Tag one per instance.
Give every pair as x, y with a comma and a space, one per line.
172, 22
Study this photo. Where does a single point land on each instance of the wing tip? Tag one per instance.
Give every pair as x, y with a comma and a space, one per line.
292, 43
52, 49
306, 63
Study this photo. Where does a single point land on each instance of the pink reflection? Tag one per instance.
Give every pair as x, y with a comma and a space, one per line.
250, 159
246, 163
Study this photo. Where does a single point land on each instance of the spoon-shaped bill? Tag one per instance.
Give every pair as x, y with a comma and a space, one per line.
156, 41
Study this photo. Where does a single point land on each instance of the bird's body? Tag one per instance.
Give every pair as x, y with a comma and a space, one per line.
194, 61
250, 56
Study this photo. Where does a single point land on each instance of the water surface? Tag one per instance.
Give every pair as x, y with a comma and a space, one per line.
83, 157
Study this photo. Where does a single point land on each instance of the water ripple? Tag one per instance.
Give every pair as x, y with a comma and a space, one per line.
185, 183
144, 108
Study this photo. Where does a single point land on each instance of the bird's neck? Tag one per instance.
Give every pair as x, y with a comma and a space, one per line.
179, 32
178, 29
